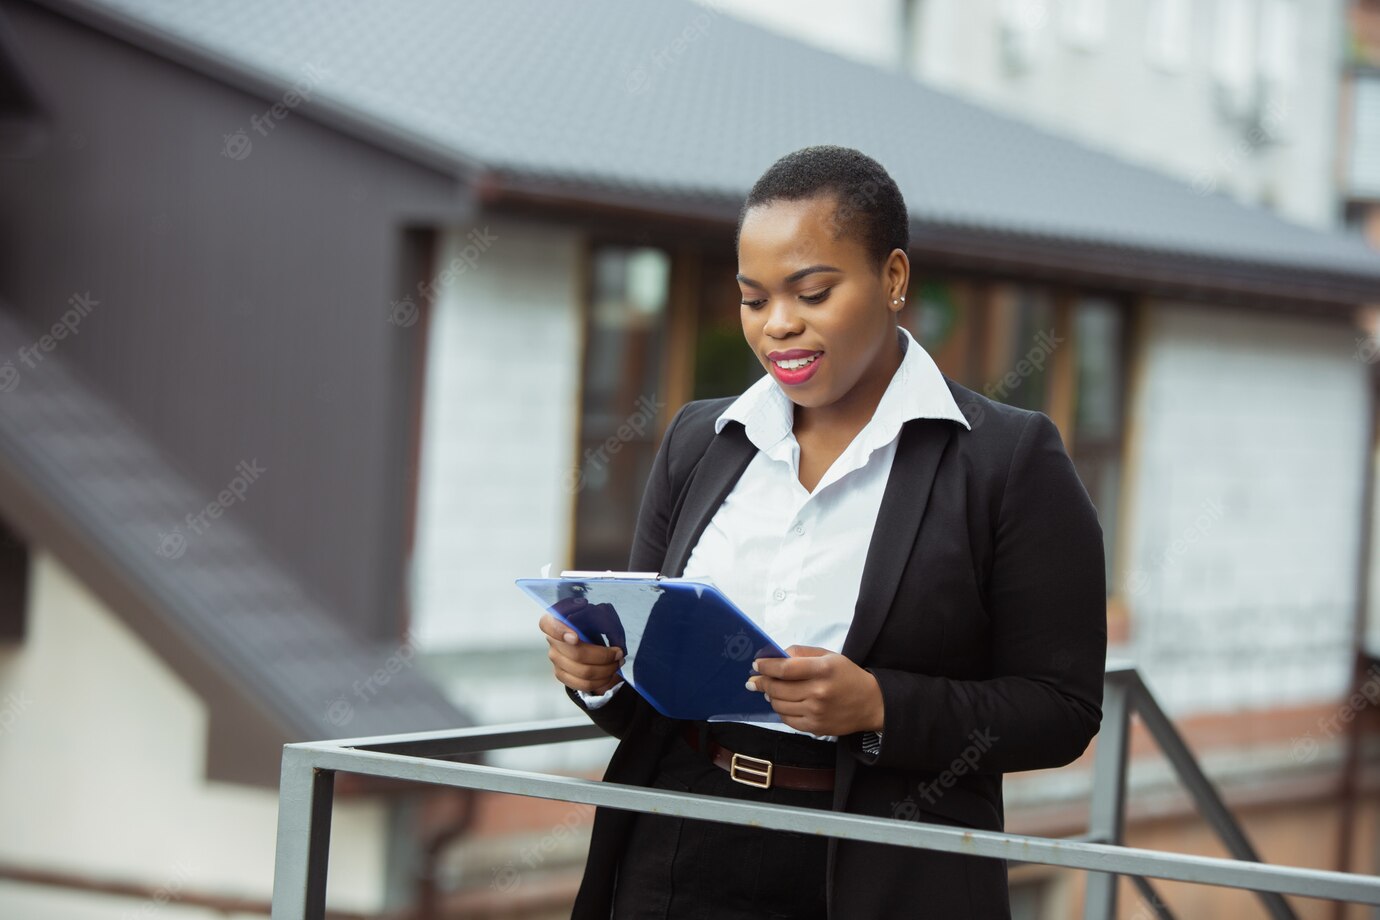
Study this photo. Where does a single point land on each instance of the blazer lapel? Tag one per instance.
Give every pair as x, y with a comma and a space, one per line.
728, 454
904, 499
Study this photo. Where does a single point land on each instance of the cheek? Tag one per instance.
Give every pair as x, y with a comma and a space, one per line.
850, 348
751, 324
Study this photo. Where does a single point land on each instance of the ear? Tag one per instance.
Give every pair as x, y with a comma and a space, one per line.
896, 278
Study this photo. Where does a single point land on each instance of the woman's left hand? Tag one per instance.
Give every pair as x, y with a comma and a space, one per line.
819, 691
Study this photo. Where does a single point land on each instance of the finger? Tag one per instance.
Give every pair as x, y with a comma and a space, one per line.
793, 708
559, 655
587, 669
772, 667
807, 651
557, 630
776, 689
594, 683
788, 668
587, 652
617, 679
596, 687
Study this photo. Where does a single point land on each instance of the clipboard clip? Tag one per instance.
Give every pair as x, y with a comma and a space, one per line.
609, 573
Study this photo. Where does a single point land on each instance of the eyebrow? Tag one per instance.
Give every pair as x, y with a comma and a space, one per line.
793, 276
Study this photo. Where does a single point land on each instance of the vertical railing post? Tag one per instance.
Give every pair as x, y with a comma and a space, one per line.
1107, 811
304, 838
1205, 796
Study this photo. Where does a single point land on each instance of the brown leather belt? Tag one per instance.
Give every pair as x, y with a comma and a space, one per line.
759, 772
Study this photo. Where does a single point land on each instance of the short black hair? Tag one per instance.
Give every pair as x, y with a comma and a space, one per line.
870, 208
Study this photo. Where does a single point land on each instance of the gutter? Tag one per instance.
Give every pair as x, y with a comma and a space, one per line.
935, 243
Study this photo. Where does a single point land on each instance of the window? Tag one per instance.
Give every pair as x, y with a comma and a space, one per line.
725, 365
943, 316
1084, 22
1021, 22
1036, 346
1233, 52
1167, 34
622, 398
1363, 159
1061, 352
1279, 31
1099, 333
996, 338
1019, 346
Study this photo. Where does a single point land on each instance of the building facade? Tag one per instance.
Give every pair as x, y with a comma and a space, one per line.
460, 295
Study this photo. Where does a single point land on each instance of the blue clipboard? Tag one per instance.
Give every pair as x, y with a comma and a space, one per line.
688, 650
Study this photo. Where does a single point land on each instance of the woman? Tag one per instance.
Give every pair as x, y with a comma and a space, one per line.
928, 556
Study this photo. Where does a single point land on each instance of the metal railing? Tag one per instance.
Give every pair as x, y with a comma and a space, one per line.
308, 773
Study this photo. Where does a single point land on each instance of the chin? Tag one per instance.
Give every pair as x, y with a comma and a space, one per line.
808, 401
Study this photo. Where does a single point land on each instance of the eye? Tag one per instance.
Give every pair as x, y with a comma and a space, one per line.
808, 298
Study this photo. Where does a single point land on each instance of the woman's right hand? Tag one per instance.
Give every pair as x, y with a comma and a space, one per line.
578, 664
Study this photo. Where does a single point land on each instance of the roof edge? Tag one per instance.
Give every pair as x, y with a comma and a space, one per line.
1145, 269
45, 524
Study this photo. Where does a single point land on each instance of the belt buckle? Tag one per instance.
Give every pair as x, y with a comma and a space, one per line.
757, 773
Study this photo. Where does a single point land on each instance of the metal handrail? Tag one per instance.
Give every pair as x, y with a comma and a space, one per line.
308, 774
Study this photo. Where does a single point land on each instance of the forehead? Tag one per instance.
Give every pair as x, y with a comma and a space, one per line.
793, 233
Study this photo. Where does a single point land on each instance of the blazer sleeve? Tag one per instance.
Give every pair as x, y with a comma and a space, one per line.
1046, 602
650, 539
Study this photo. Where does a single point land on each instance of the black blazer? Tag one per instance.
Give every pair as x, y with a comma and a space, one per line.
982, 613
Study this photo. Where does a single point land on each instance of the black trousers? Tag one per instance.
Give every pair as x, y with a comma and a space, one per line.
687, 869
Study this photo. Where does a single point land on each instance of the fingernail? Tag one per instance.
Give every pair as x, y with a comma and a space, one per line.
570, 637
750, 685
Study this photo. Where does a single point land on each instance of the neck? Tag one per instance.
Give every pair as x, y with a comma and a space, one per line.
846, 416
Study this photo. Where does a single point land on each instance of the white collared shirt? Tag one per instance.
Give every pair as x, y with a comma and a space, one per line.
792, 559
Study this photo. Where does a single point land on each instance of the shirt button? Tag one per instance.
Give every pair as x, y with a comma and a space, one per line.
799, 528
779, 594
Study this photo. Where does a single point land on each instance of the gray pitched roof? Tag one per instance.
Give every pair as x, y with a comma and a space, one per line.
679, 104
81, 481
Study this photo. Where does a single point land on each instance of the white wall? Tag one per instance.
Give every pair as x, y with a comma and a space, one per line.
1241, 562
865, 30
102, 753
500, 422
1108, 88
500, 418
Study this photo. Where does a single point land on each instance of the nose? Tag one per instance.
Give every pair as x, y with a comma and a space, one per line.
782, 319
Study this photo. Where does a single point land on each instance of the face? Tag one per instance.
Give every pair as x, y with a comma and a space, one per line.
808, 296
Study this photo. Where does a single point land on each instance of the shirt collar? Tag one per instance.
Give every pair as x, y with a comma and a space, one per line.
916, 390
